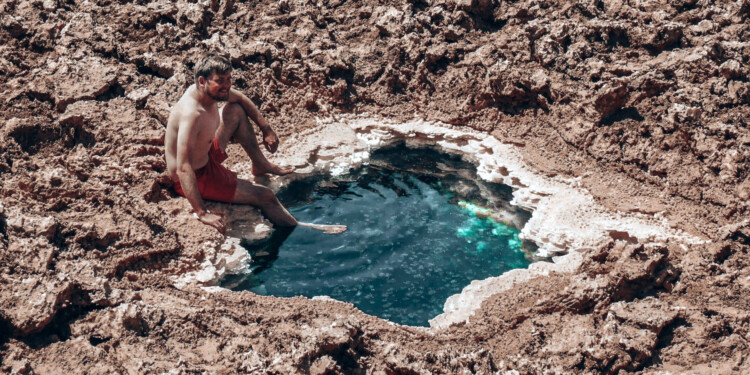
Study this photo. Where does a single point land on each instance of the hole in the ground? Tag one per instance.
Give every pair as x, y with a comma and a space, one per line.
96, 340
3, 229
622, 114
114, 91
421, 227
35, 137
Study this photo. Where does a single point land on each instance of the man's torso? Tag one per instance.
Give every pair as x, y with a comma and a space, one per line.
207, 122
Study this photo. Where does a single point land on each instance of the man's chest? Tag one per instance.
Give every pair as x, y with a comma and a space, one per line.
207, 123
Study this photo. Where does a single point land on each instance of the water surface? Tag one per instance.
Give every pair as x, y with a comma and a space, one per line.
419, 231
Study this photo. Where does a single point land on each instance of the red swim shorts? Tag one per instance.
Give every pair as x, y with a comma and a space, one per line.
215, 182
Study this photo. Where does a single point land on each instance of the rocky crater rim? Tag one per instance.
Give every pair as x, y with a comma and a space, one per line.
565, 218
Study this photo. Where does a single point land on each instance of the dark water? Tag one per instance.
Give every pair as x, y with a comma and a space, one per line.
418, 233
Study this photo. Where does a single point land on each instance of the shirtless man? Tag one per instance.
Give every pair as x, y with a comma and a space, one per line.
197, 135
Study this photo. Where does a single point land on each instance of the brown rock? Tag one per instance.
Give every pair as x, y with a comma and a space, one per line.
325, 365
610, 98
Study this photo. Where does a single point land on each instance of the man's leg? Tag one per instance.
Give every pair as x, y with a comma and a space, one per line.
235, 124
264, 198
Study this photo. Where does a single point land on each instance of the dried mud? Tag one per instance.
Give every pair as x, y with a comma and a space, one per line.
645, 102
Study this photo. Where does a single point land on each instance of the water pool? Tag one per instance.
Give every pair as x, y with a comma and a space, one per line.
420, 228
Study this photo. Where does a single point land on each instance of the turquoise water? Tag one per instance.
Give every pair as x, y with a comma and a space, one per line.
419, 232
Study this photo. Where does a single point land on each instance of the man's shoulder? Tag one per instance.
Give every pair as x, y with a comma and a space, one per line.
186, 109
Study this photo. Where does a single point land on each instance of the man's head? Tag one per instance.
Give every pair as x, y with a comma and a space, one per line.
213, 76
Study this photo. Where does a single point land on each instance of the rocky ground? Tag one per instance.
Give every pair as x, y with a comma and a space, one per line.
647, 102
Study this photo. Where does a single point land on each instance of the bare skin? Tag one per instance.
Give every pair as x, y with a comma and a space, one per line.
194, 122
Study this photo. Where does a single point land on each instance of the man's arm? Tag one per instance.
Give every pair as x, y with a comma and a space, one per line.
269, 136
186, 138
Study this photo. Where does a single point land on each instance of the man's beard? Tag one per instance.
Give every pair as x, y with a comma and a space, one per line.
218, 96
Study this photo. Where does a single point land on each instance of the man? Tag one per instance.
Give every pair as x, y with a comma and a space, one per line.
197, 135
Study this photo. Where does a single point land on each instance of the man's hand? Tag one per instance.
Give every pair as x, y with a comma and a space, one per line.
213, 220
270, 140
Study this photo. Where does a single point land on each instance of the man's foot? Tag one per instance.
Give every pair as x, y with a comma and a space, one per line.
328, 229
271, 169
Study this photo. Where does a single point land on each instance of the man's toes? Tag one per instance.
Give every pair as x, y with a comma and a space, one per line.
273, 169
285, 171
335, 229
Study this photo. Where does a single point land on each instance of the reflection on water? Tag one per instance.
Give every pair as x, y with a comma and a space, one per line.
421, 227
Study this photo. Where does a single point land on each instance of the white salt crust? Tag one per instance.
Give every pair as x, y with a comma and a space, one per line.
565, 217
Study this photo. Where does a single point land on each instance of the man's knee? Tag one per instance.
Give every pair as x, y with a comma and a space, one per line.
232, 112
266, 195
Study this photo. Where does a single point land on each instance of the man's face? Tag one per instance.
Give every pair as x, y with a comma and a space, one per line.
218, 85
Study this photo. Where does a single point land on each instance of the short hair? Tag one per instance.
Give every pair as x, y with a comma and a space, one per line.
211, 64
